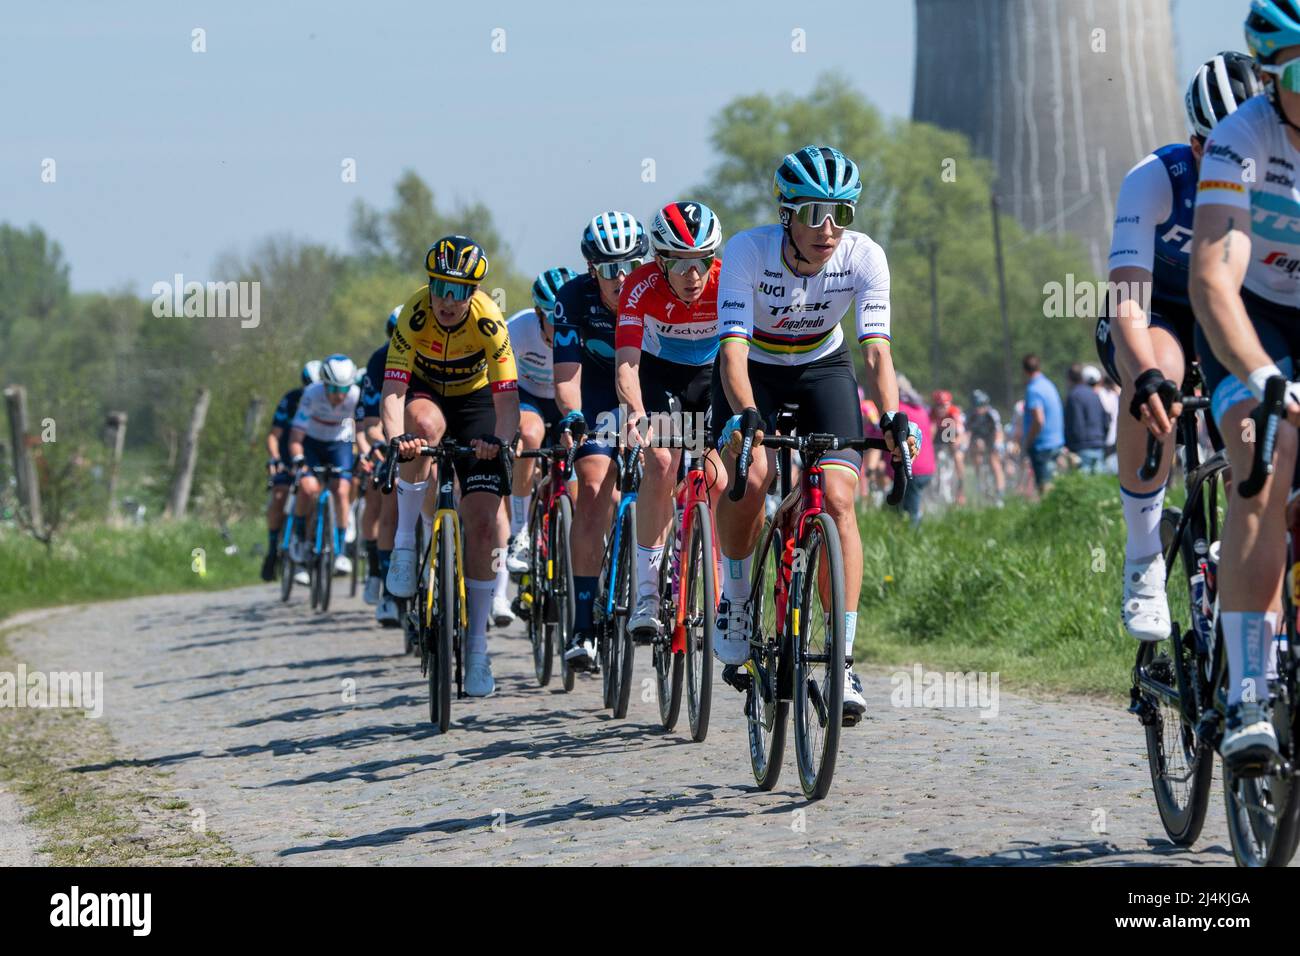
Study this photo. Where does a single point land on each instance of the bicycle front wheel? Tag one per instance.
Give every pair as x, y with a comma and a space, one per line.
537, 603
623, 648
668, 665
765, 712
444, 629
325, 567
286, 574
563, 595
700, 619
818, 657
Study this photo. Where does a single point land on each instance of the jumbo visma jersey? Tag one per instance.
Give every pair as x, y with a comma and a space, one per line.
453, 361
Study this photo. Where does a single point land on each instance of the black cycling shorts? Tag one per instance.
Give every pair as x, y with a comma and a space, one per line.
468, 417
1177, 321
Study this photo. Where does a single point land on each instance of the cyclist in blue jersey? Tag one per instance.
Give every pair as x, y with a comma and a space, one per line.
277, 446
1145, 341
614, 244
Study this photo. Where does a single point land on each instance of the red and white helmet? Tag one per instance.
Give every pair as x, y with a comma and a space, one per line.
685, 227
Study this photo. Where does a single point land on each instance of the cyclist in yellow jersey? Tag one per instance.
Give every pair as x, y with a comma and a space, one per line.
451, 374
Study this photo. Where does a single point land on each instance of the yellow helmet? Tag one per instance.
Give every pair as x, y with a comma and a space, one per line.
457, 259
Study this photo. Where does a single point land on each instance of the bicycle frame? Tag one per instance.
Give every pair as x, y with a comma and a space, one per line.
446, 512
626, 497
691, 493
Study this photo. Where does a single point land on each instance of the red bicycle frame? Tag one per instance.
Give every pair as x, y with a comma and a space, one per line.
691, 491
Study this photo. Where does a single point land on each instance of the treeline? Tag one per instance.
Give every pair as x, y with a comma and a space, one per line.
82, 356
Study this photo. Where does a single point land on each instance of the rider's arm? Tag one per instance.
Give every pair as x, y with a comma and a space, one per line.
627, 379
1220, 258
1145, 199
295, 442
736, 283
1034, 418
567, 355
502, 373
397, 369
273, 443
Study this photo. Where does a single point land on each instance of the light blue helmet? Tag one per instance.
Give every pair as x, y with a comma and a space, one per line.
392, 321
817, 172
1271, 26
547, 286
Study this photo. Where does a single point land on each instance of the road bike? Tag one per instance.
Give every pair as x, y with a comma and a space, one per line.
616, 590
797, 652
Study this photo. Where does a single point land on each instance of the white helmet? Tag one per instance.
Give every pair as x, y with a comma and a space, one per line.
311, 372
1220, 85
338, 369
613, 237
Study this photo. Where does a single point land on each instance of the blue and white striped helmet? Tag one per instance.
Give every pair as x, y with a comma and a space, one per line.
547, 286
817, 172
614, 236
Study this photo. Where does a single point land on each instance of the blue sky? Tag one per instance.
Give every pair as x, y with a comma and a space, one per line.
166, 158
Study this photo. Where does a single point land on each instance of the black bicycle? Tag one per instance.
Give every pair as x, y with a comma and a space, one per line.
616, 591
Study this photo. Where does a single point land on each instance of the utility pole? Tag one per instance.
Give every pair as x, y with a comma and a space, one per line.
1008, 374
115, 436
179, 498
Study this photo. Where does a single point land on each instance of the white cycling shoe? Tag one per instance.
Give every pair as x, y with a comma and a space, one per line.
731, 634
301, 577
1146, 606
401, 573
342, 565
479, 681
855, 705
386, 612
374, 591
1249, 740
518, 556
502, 615
644, 623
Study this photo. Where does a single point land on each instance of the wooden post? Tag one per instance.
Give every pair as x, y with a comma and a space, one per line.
251, 417
29, 489
179, 498
115, 437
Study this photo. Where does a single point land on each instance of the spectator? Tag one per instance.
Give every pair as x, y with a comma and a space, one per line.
1108, 391
913, 406
1044, 423
1085, 423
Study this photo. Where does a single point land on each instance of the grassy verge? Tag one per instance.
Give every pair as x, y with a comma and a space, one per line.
95, 563
1030, 591
90, 807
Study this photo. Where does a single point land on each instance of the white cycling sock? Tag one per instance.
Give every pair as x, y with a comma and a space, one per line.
850, 632
502, 581
735, 578
1248, 636
410, 498
478, 598
1142, 515
647, 571
518, 513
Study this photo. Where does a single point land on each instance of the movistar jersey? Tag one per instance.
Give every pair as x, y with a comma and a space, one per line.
532, 354
584, 328
790, 319
1250, 165
1153, 222
283, 416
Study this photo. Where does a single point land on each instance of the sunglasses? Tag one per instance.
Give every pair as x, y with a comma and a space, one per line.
701, 264
612, 270
813, 214
459, 291
337, 389
1288, 74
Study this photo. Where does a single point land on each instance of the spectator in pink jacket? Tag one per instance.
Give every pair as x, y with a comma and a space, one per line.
913, 406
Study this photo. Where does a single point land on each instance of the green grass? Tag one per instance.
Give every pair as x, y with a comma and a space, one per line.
95, 563
1031, 591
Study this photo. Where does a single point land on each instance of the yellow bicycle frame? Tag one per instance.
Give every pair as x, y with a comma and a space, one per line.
446, 514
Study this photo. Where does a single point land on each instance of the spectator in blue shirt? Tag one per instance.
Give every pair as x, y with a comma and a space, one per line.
1044, 423
1085, 422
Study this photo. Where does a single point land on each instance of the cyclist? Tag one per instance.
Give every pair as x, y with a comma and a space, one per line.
782, 291
323, 432
665, 345
1243, 290
277, 446
614, 244
532, 335
379, 521
451, 374
984, 426
949, 436
1147, 345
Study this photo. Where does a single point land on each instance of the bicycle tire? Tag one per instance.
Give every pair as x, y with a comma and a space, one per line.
623, 658
818, 700
325, 566
539, 636
668, 666
765, 714
604, 625
355, 553
444, 630
701, 615
562, 588
286, 575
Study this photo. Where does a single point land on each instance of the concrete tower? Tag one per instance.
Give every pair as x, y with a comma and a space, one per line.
1064, 96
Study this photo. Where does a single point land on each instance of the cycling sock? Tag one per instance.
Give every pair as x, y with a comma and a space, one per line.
647, 571
735, 578
372, 557
1248, 636
584, 594
299, 527
273, 540
1142, 515
410, 497
502, 582
478, 598
850, 632
385, 557
518, 513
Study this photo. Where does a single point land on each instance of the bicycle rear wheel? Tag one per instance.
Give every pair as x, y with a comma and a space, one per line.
818, 657
765, 713
537, 601
623, 648
443, 621
668, 665
701, 618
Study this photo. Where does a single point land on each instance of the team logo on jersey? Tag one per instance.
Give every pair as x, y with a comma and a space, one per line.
1177, 234
1282, 261
770, 288
1275, 217
1228, 184
730, 304
805, 307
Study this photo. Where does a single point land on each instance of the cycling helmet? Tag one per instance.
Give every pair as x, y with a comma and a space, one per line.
547, 286
817, 172
311, 372
685, 227
457, 259
338, 369
1271, 26
392, 321
614, 236
1220, 85
979, 398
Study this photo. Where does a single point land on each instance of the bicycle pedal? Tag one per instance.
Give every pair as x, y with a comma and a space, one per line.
738, 678
849, 719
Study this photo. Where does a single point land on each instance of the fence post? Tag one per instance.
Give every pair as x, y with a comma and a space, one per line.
179, 499
115, 437
251, 417
29, 489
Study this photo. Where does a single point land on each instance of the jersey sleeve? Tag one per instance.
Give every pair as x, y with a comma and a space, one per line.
281, 418
568, 338
736, 283
401, 347
872, 297
302, 417
1145, 200
502, 372
630, 331
1224, 165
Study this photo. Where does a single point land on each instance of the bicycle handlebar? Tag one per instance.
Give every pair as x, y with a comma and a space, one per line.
1266, 416
444, 449
819, 444
1155, 447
